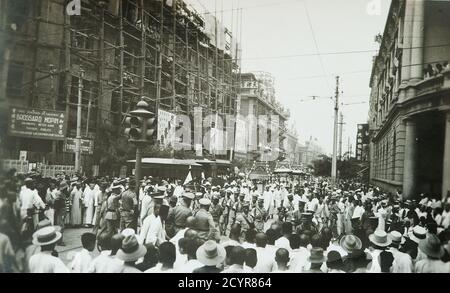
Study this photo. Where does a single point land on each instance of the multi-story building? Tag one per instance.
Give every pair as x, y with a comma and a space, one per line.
261, 114
308, 152
162, 50
409, 116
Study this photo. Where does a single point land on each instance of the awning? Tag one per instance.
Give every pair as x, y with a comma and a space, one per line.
218, 162
167, 161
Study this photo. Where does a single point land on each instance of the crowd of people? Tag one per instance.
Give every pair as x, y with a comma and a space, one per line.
293, 225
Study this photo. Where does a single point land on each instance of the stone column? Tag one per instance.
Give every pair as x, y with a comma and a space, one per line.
417, 42
446, 159
407, 32
409, 166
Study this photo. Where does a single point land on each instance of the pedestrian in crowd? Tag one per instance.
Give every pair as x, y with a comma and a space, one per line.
130, 252
88, 203
282, 259
82, 259
44, 261
106, 262
211, 255
348, 227
334, 262
167, 257
237, 260
76, 212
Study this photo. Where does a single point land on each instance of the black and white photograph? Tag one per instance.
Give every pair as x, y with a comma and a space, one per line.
239, 137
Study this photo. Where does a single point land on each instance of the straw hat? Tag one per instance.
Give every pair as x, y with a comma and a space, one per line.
380, 238
131, 249
350, 243
396, 237
417, 234
211, 253
46, 236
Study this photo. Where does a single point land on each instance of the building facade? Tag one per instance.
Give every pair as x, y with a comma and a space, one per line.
122, 50
308, 152
409, 119
262, 131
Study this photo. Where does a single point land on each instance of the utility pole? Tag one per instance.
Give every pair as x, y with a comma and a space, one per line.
335, 136
341, 127
78, 140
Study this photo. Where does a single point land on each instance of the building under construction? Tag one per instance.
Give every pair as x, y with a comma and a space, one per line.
113, 53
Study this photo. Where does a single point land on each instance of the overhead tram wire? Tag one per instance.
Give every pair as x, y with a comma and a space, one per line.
315, 43
337, 53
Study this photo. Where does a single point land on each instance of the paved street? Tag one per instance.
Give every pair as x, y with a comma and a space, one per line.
72, 239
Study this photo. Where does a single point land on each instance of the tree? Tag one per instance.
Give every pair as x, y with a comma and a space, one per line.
322, 166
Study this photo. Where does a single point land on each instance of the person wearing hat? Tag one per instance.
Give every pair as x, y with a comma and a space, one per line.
402, 261
245, 219
128, 207
61, 206
379, 241
259, 215
212, 255
316, 258
433, 251
216, 209
111, 210
130, 252
204, 223
350, 243
181, 212
44, 261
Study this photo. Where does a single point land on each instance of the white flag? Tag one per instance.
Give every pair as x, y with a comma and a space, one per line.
188, 177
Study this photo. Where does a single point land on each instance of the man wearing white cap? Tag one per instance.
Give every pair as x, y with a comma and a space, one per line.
204, 222
260, 215
180, 213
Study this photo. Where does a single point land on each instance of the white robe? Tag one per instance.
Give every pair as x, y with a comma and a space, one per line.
88, 201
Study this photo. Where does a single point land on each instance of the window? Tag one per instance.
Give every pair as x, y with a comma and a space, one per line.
15, 79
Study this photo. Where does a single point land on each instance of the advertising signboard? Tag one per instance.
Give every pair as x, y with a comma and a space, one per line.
34, 123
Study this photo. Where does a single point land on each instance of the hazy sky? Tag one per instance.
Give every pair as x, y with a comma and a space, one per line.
274, 30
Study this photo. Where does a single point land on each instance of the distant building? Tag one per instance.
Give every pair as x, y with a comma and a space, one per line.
409, 118
257, 101
308, 152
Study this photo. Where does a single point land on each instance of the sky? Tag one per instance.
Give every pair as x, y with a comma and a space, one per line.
337, 37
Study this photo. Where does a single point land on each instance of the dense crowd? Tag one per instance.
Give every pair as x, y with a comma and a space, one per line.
288, 225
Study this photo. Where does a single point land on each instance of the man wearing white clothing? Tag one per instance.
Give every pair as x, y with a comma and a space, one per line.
44, 261
88, 202
152, 228
30, 200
